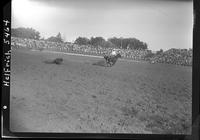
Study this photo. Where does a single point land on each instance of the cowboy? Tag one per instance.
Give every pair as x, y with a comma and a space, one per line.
114, 52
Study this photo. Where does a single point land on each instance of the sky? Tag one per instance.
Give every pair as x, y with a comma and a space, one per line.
162, 24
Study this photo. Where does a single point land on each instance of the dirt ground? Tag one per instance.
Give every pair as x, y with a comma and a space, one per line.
76, 96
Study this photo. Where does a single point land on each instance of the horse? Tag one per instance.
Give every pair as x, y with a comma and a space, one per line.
108, 61
111, 60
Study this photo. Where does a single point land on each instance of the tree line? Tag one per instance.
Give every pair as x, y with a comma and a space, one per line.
31, 33
114, 42
25, 33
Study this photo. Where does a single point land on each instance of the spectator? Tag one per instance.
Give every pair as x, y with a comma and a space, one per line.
172, 56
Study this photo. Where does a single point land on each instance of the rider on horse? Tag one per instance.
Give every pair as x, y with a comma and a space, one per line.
112, 55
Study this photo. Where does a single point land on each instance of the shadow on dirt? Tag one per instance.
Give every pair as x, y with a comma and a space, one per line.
101, 63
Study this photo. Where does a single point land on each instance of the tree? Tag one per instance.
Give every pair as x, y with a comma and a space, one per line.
97, 41
159, 52
25, 33
59, 37
82, 41
56, 38
115, 41
107, 44
128, 43
124, 43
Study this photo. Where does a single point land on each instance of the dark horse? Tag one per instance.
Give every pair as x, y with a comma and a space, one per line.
111, 60
108, 61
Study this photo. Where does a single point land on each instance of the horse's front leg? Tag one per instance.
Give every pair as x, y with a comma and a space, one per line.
108, 64
106, 60
111, 64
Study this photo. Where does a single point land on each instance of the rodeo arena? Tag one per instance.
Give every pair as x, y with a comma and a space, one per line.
72, 88
172, 56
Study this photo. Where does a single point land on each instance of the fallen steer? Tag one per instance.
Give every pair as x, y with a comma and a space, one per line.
57, 61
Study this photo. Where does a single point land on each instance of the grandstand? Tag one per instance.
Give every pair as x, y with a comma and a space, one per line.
171, 56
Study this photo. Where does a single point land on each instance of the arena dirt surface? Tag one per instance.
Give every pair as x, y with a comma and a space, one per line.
76, 96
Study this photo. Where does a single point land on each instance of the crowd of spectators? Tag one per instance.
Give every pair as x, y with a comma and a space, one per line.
172, 56
75, 48
38, 44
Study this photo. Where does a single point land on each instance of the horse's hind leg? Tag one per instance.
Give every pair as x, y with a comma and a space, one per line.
107, 64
